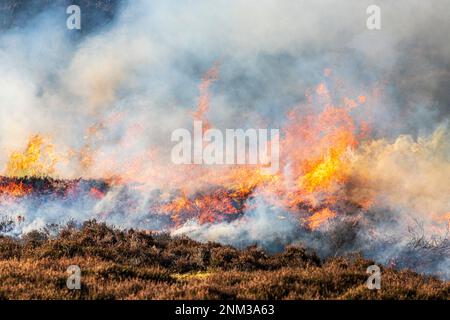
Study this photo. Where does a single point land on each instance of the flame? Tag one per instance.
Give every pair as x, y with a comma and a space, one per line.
317, 147
321, 165
319, 218
325, 172
362, 99
204, 101
96, 193
14, 189
211, 207
38, 160
317, 143
444, 219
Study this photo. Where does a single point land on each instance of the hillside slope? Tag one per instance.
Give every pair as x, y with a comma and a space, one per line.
136, 265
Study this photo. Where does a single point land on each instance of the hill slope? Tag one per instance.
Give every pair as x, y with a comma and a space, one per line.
136, 265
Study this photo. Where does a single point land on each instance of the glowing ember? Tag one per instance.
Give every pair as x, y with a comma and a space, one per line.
14, 189
96, 193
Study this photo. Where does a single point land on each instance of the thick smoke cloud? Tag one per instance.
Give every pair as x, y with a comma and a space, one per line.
148, 62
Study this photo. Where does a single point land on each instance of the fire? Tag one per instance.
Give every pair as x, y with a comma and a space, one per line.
211, 207
320, 217
324, 172
445, 219
14, 189
204, 100
362, 99
96, 193
38, 160
245, 180
319, 148
316, 148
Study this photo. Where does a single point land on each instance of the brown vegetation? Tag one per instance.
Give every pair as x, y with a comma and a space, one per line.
135, 265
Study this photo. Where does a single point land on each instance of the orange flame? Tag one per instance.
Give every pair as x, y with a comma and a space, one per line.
38, 160
15, 189
319, 218
317, 146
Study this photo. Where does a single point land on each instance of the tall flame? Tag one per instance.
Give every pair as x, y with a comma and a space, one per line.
38, 159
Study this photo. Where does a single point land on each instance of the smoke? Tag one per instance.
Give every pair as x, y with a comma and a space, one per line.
406, 225
109, 97
264, 226
409, 174
148, 62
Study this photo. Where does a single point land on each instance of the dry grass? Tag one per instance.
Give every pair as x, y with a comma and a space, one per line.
135, 265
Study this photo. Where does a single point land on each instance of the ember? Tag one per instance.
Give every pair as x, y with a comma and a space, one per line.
38, 187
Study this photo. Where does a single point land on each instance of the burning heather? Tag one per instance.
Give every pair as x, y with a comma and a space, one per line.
364, 138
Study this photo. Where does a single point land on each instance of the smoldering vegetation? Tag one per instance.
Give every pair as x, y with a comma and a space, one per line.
129, 264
